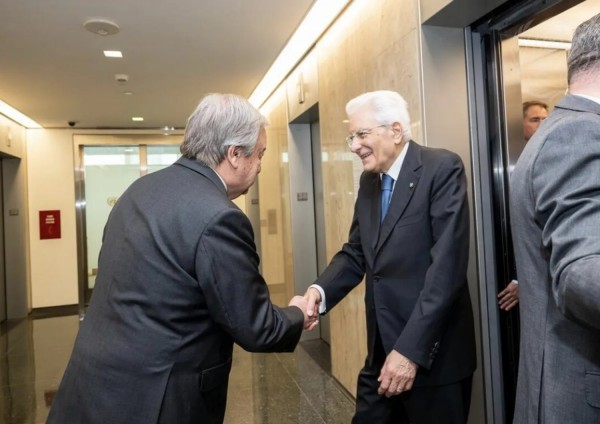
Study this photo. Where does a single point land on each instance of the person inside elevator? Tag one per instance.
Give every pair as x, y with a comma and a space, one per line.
555, 214
178, 283
534, 113
410, 237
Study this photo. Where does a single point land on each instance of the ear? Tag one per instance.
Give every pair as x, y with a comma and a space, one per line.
233, 156
398, 132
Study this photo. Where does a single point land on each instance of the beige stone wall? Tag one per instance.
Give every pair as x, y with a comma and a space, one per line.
274, 203
373, 45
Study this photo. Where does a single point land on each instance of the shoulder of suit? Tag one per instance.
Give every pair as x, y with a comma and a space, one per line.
437, 154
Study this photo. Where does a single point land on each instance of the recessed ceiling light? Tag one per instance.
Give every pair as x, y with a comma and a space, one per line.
113, 53
317, 20
101, 26
12, 113
128, 93
137, 119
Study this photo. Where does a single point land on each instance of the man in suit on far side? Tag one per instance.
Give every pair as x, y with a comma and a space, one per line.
410, 236
555, 213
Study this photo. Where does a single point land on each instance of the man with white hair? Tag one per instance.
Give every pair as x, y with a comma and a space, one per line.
555, 213
410, 237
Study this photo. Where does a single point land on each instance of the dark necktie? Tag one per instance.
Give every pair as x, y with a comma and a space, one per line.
386, 193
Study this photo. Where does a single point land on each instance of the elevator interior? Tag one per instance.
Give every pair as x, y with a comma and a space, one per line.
519, 54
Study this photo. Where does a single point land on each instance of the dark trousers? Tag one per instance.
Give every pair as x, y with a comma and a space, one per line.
446, 404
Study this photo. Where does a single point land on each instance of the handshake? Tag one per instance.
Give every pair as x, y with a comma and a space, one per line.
309, 305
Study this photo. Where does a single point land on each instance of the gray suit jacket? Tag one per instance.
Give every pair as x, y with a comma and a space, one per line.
177, 285
415, 262
555, 213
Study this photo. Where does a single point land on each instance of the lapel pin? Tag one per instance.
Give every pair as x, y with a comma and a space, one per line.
411, 185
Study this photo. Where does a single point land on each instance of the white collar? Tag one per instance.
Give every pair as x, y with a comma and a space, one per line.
394, 170
221, 178
592, 98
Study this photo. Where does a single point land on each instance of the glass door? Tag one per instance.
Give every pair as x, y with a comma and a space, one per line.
103, 173
161, 156
108, 170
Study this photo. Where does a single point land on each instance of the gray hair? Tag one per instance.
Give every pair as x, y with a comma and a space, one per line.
387, 106
530, 103
585, 49
221, 121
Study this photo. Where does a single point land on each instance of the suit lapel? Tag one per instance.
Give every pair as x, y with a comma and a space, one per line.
373, 222
407, 182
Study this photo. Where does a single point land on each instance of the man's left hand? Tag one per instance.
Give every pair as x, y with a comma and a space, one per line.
397, 374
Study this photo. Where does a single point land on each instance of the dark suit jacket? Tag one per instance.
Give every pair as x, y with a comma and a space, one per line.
415, 265
555, 215
178, 283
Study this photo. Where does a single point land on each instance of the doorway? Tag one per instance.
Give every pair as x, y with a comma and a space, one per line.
507, 70
105, 167
307, 208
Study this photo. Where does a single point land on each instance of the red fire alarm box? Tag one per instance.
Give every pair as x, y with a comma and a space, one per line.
49, 225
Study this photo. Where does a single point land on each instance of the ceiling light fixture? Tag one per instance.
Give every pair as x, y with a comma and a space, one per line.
544, 44
101, 26
137, 119
316, 21
12, 113
113, 53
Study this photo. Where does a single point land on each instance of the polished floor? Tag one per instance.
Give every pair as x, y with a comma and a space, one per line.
277, 388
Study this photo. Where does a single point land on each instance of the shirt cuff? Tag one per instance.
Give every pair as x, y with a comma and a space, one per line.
322, 305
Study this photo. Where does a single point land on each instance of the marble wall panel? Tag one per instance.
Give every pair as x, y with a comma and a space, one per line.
274, 200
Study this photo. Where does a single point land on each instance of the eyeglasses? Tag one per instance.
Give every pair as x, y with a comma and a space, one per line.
361, 134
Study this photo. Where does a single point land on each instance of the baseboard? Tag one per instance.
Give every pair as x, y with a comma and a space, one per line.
54, 311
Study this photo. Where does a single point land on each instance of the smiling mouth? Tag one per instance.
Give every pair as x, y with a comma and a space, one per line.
364, 156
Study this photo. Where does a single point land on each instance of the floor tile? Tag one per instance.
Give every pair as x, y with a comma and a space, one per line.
277, 388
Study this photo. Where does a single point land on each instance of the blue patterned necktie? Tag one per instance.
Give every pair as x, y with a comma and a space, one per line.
386, 193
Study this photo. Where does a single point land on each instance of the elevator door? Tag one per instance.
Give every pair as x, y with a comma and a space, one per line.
506, 74
307, 210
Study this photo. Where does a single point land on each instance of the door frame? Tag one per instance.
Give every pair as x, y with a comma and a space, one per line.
494, 92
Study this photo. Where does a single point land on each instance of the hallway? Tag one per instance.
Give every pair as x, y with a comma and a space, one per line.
263, 388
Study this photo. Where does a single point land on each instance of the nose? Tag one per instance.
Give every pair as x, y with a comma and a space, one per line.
355, 145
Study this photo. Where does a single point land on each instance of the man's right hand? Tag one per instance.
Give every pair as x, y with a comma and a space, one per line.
310, 322
313, 299
509, 297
